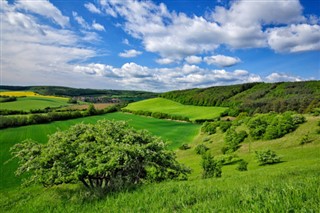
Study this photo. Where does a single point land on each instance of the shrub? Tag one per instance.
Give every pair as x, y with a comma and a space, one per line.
201, 149
267, 157
242, 165
305, 139
225, 125
209, 127
211, 168
184, 147
106, 155
233, 140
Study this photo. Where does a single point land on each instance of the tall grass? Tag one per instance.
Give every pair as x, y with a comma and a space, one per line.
290, 191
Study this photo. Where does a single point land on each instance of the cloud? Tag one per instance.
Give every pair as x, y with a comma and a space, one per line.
130, 53
281, 77
165, 61
132, 75
80, 20
126, 42
45, 9
295, 38
92, 8
193, 59
37, 52
97, 26
243, 24
221, 60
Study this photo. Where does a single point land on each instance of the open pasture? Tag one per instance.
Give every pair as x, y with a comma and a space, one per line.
176, 133
34, 102
174, 108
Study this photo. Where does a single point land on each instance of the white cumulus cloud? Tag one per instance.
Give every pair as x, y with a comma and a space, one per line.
221, 60
130, 53
193, 59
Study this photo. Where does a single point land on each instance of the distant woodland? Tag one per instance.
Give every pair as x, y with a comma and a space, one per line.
253, 98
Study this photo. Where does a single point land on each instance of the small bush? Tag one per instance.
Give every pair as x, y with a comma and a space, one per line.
267, 157
201, 149
242, 165
211, 168
184, 147
209, 127
305, 139
206, 139
225, 125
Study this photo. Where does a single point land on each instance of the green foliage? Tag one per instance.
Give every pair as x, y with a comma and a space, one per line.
225, 125
209, 127
4, 98
271, 126
254, 98
305, 139
72, 101
242, 165
201, 149
233, 140
184, 147
106, 155
211, 168
183, 132
267, 157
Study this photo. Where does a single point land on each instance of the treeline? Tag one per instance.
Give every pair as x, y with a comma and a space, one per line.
23, 120
4, 98
301, 97
73, 92
159, 115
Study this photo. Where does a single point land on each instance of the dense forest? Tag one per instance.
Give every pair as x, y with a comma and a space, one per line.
253, 98
74, 92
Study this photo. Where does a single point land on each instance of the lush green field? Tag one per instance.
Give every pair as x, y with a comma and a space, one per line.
34, 102
175, 108
290, 186
176, 133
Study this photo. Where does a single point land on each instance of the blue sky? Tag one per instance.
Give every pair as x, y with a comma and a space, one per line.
158, 45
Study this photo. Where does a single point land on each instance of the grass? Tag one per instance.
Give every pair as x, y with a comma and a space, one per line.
176, 133
174, 108
34, 102
290, 186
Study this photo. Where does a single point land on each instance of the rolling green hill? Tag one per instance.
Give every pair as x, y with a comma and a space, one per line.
175, 133
254, 97
29, 103
290, 186
174, 108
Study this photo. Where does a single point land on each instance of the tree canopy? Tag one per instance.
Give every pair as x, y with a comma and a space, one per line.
108, 154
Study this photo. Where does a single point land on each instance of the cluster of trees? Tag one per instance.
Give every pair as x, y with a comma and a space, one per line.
233, 139
211, 127
107, 155
273, 125
159, 115
253, 98
4, 98
22, 120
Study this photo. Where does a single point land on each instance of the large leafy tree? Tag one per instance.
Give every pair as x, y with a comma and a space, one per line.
108, 154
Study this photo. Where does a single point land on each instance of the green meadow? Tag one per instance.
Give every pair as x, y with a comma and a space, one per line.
33, 102
293, 185
174, 108
175, 133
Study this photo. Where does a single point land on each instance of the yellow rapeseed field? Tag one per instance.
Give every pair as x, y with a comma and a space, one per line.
27, 93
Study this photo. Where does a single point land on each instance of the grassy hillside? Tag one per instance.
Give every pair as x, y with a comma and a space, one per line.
290, 186
175, 108
254, 97
34, 102
176, 133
